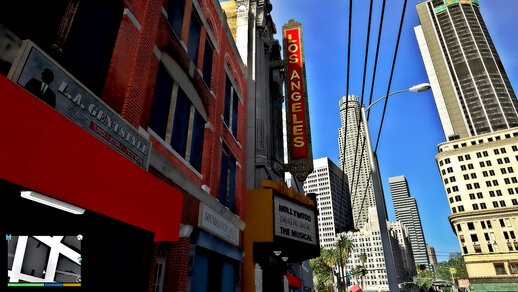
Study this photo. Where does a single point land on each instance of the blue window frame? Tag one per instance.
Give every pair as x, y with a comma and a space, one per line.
175, 12
230, 112
193, 43
227, 187
207, 62
186, 132
161, 102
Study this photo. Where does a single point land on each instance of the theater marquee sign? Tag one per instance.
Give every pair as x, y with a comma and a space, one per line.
294, 221
300, 154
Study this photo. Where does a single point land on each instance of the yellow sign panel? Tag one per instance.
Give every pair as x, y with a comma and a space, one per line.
282, 188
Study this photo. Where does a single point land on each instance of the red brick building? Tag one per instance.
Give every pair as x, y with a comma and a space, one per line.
168, 71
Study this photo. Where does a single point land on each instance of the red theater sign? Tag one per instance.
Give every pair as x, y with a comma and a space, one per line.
300, 156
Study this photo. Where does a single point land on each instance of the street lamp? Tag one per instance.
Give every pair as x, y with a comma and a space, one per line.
416, 88
378, 192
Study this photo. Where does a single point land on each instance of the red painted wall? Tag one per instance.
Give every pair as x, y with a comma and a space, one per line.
44, 151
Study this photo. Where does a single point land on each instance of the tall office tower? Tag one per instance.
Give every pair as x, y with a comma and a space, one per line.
403, 256
432, 256
470, 87
478, 110
333, 200
407, 212
360, 185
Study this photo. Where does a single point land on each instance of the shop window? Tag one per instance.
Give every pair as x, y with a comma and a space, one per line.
175, 12
170, 103
231, 107
65, 32
227, 187
213, 272
159, 275
208, 54
500, 269
193, 43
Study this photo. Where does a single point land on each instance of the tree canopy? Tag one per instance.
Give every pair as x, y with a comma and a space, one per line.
443, 269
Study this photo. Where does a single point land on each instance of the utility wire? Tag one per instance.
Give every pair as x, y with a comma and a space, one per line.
353, 180
377, 54
391, 74
347, 100
389, 84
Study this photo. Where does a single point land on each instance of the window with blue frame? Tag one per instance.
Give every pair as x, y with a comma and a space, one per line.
231, 107
207, 62
185, 132
175, 12
213, 272
227, 186
193, 43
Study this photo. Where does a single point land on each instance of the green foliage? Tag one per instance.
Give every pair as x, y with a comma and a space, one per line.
321, 270
424, 283
443, 269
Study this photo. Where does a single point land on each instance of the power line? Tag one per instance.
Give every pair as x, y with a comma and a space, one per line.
377, 53
347, 98
391, 73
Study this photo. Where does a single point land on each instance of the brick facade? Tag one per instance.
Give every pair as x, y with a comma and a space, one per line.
130, 86
145, 38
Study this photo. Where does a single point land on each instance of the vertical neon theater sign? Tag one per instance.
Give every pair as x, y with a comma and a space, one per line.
300, 154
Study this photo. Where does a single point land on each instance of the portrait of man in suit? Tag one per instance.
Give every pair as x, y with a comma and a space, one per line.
41, 89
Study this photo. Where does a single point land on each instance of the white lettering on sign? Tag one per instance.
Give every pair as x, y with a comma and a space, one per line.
294, 221
214, 223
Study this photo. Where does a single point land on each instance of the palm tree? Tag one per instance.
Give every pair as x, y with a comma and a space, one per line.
344, 246
363, 259
330, 258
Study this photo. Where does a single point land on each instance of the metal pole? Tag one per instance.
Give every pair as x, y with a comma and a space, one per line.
381, 209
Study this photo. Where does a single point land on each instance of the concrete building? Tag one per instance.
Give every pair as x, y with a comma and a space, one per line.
479, 175
145, 122
253, 29
478, 111
333, 200
360, 185
407, 213
470, 86
367, 241
402, 250
431, 255
455, 255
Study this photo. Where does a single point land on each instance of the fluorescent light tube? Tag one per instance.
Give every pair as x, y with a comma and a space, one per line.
46, 200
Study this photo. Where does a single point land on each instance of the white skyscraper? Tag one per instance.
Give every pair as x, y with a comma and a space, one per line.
333, 200
360, 186
407, 212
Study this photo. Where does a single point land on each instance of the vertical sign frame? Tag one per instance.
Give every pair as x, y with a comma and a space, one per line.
300, 153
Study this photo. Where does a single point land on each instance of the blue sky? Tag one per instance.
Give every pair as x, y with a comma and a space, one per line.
411, 129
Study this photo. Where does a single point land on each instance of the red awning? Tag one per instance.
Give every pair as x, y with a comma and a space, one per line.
46, 152
356, 288
293, 281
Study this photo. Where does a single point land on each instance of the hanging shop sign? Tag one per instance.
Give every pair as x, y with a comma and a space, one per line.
294, 221
300, 154
212, 222
47, 80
